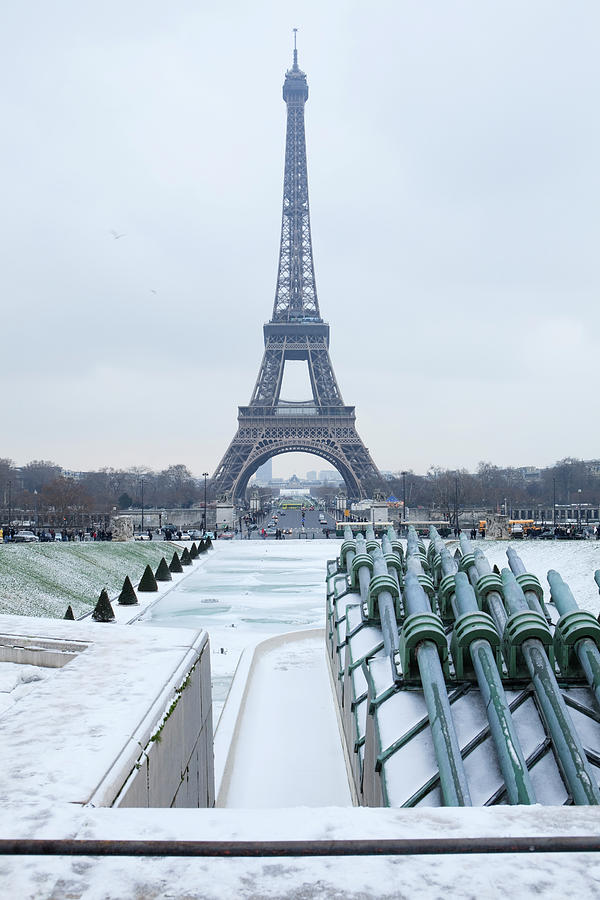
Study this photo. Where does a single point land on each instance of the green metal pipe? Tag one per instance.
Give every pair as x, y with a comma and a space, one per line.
387, 548
517, 567
507, 744
348, 536
453, 779
364, 573
449, 566
575, 767
586, 650
494, 600
561, 594
387, 617
465, 549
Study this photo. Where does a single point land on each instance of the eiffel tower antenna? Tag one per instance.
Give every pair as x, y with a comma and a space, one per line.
323, 425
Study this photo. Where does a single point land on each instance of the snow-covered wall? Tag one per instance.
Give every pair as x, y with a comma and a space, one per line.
176, 765
122, 717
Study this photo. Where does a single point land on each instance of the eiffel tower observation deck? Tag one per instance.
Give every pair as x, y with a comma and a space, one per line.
322, 425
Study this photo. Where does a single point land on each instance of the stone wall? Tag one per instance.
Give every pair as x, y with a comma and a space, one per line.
175, 768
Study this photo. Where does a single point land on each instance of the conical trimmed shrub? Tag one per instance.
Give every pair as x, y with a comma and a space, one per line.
128, 596
162, 573
496, 569
69, 613
193, 552
202, 548
103, 611
185, 557
148, 581
175, 564
208, 544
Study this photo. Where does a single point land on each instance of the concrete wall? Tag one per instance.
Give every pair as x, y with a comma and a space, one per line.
175, 768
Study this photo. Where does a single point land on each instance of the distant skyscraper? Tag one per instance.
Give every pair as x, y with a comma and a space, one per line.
264, 474
311, 476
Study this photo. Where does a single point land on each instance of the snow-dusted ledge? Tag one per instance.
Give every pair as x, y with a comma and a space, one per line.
122, 717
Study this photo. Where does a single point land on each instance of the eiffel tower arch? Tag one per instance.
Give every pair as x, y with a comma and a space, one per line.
323, 425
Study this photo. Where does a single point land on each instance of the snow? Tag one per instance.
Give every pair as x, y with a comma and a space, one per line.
63, 738
262, 590
287, 749
358, 878
43, 579
575, 560
245, 592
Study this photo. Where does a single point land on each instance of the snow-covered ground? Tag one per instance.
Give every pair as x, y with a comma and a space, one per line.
575, 560
264, 589
43, 579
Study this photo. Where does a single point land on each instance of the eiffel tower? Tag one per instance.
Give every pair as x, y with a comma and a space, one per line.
324, 425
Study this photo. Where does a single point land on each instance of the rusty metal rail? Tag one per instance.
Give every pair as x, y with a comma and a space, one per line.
306, 848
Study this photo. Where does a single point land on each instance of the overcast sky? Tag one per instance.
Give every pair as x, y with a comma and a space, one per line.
454, 153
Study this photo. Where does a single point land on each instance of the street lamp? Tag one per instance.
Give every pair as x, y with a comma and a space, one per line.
9, 503
456, 504
404, 474
554, 502
142, 484
205, 476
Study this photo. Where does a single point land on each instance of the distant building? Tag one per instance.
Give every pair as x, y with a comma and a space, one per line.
264, 473
329, 475
530, 473
311, 476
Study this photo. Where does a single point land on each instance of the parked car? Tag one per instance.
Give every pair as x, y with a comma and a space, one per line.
25, 537
195, 534
185, 536
227, 535
271, 532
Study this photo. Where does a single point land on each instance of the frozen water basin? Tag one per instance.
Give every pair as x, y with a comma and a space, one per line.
245, 592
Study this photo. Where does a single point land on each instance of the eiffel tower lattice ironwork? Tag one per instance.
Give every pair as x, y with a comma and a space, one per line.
324, 425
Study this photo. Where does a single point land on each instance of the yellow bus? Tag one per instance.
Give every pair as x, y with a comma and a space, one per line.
519, 528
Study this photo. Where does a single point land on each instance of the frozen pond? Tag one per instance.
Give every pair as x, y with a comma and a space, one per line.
244, 592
